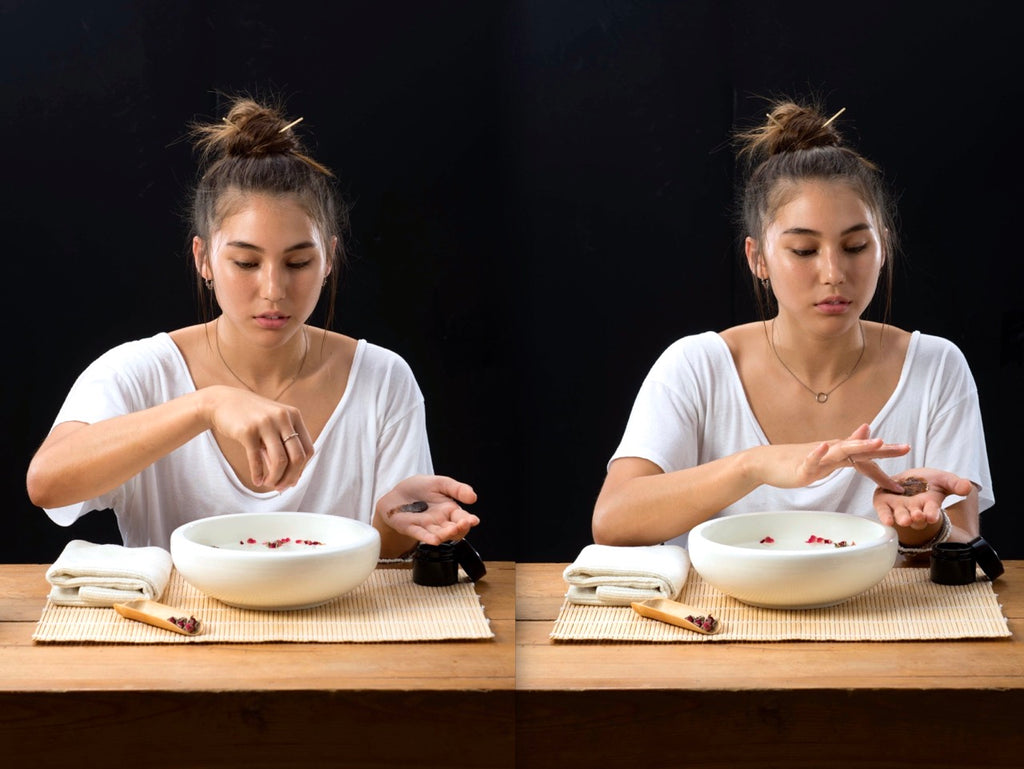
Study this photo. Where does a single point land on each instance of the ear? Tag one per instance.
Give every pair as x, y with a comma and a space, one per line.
754, 259
199, 257
330, 255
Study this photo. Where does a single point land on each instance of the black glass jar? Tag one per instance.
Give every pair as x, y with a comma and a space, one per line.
435, 565
438, 565
952, 563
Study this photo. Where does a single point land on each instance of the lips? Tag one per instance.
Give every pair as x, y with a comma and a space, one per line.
834, 300
272, 319
833, 305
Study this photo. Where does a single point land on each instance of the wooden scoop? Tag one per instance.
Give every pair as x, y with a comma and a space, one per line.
157, 614
675, 613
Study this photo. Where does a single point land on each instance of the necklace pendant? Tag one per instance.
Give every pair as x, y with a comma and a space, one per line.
821, 397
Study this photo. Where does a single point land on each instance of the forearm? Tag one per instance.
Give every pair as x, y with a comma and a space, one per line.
82, 461
653, 508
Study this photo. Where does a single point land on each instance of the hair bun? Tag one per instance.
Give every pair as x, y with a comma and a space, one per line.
790, 127
250, 129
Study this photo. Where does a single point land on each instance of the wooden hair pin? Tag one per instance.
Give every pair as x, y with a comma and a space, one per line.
840, 112
290, 125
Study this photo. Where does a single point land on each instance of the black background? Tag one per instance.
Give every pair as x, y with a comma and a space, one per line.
541, 201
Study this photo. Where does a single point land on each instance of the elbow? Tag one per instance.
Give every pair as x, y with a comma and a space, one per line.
603, 527
36, 488
40, 486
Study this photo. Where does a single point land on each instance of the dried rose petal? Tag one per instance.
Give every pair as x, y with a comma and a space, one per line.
912, 485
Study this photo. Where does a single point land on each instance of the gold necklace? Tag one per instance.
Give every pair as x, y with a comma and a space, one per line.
821, 397
302, 363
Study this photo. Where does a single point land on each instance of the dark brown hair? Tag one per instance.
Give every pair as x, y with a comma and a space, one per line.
254, 150
798, 143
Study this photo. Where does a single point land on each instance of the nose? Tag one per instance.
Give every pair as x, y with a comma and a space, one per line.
833, 270
272, 283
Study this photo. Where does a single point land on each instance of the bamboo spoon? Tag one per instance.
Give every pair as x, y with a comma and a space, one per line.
675, 613
157, 615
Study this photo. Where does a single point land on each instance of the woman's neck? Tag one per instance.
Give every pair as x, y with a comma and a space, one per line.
818, 362
267, 372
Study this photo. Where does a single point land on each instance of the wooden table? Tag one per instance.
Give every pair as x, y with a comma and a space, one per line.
446, 704
788, 704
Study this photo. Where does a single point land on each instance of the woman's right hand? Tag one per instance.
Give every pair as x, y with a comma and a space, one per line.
801, 464
273, 435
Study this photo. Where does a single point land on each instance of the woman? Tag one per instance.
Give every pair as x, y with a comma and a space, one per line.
751, 419
253, 410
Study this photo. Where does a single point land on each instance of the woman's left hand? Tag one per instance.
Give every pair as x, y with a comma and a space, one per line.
925, 508
442, 519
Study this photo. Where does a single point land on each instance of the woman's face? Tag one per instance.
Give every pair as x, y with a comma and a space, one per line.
822, 253
268, 263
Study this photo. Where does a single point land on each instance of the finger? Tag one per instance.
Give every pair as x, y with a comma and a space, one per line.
862, 432
254, 455
276, 456
450, 487
465, 517
932, 512
915, 518
885, 451
307, 441
456, 529
872, 447
952, 483
296, 458
422, 534
817, 454
874, 472
901, 515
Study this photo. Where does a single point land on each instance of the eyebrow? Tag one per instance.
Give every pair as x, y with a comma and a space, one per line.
252, 247
808, 231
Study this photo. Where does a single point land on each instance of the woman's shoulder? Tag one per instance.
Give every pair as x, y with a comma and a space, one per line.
140, 366
378, 367
378, 357
700, 352
142, 351
936, 352
743, 337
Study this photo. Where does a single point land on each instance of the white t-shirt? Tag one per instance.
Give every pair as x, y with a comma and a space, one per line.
375, 438
692, 409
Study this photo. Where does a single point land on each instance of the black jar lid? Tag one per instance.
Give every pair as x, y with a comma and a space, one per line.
986, 557
469, 559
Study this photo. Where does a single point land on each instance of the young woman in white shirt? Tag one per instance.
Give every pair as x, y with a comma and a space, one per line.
253, 409
782, 413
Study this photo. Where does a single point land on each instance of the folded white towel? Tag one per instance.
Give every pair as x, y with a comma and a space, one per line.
87, 574
604, 575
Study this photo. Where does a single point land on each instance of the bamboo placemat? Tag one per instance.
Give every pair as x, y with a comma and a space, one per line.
389, 606
905, 606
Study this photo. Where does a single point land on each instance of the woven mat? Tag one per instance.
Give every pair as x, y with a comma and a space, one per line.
389, 606
905, 606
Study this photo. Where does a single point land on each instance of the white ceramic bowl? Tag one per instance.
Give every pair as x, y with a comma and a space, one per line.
792, 573
214, 555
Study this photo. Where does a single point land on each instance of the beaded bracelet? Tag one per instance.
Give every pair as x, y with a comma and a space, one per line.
925, 547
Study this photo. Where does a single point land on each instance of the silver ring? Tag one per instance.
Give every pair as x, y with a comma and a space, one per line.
852, 460
289, 437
